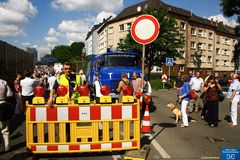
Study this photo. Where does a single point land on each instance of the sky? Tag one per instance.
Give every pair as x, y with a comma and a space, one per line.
43, 24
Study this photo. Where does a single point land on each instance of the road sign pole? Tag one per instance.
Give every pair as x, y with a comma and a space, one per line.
168, 73
143, 63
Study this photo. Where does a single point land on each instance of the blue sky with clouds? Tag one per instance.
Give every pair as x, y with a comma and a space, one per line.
46, 23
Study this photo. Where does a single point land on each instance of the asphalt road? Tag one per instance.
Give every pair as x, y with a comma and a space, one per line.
199, 141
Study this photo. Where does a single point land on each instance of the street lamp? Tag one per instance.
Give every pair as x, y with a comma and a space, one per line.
83, 54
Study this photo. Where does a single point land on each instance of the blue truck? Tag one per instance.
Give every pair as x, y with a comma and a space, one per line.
109, 66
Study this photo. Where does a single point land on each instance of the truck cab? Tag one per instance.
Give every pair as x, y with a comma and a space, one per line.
108, 67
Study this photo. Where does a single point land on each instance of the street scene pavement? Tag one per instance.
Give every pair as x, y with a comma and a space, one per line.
169, 140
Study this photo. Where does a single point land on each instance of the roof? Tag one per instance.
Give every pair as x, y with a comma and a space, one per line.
131, 11
96, 26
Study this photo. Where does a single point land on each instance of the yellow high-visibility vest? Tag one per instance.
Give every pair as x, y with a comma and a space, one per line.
62, 80
79, 80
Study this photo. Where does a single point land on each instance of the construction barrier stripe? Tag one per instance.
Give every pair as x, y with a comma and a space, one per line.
83, 147
83, 113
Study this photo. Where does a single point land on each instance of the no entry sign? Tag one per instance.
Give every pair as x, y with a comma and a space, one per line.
145, 29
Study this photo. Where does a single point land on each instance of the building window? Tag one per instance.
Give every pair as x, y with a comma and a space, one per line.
158, 69
225, 41
234, 42
181, 68
110, 30
121, 27
209, 72
193, 31
210, 47
183, 38
202, 33
182, 53
233, 64
192, 58
225, 63
121, 40
183, 25
217, 62
202, 46
128, 27
210, 59
210, 35
193, 45
203, 59
218, 51
225, 52
218, 39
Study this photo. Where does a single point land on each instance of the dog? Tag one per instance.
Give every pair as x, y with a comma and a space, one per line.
176, 111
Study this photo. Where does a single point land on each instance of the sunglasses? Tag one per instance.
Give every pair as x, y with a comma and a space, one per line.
67, 68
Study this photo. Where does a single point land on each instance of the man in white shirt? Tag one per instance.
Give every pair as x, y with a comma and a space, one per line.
28, 84
234, 96
51, 80
196, 85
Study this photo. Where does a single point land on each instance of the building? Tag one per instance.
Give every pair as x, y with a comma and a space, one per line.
92, 38
213, 39
34, 54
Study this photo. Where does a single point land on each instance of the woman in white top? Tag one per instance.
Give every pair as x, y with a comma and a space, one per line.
136, 83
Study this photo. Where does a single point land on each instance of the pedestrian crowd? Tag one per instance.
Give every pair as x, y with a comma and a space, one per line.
195, 93
13, 101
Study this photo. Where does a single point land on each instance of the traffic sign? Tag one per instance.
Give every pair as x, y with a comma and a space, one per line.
164, 78
145, 29
169, 61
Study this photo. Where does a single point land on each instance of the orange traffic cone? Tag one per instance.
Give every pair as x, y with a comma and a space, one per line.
146, 126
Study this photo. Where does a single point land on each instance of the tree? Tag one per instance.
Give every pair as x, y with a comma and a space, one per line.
197, 61
76, 50
231, 8
166, 44
68, 53
61, 53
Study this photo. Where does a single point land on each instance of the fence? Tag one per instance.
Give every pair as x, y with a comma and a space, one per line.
13, 60
82, 128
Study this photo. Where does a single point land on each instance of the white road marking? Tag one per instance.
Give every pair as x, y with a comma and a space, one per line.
158, 147
116, 157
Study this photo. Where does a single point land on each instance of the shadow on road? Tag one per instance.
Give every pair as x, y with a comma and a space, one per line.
16, 121
146, 140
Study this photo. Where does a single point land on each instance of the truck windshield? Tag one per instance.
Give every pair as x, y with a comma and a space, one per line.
122, 60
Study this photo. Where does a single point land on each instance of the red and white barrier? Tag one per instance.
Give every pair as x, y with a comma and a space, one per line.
84, 147
83, 113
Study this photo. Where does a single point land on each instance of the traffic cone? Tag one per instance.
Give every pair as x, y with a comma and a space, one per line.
146, 126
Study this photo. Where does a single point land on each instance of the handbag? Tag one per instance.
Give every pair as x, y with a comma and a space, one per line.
221, 96
193, 95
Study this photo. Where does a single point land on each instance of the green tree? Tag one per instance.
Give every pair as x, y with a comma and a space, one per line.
231, 8
76, 50
197, 61
166, 44
68, 53
62, 53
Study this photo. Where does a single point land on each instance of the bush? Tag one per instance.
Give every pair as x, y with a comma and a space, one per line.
157, 84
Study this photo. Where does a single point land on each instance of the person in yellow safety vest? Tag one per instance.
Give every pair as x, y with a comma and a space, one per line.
67, 79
